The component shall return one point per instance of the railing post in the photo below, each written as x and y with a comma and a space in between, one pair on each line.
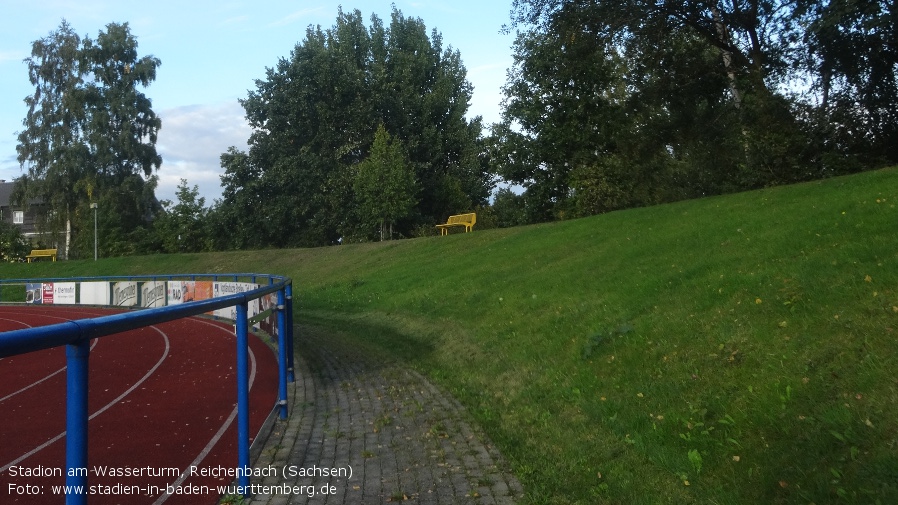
282, 354
242, 397
76, 417
289, 336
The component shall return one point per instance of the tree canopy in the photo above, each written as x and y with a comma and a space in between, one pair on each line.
384, 184
314, 120
612, 104
89, 133
182, 227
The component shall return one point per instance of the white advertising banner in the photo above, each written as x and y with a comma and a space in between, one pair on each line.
152, 294
233, 288
124, 294
64, 293
95, 293
188, 291
175, 292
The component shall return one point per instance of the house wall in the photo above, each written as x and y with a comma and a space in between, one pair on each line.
7, 212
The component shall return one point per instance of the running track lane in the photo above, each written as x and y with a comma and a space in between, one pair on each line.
161, 399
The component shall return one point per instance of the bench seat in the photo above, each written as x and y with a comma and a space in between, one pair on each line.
466, 220
41, 253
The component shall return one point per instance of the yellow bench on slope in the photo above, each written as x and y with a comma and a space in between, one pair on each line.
466, 220
41, 253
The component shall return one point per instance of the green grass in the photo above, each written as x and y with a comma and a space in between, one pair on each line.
736, 349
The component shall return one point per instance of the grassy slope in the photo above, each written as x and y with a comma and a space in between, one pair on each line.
735, 349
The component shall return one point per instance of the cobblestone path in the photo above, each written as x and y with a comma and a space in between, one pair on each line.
401, 438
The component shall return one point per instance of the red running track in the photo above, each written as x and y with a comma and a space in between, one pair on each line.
161, 399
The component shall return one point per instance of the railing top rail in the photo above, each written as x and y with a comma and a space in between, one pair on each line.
44, 337
230, 276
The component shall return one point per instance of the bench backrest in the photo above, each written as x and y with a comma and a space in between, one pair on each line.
462, 219
43, 252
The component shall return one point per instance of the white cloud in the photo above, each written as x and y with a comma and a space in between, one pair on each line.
191, 142
16, 56
297, 16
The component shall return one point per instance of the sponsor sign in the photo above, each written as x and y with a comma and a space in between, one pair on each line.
64, 293
47, 293
175, 292
188, 291
152, 294
34, 292
233, 288
124, 294
202, 290
270, 323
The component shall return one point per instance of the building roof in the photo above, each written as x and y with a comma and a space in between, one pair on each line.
6, 189
6, 192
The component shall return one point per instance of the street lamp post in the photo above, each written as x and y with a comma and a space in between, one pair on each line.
94, 206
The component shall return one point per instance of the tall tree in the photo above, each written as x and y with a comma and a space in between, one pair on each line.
123, 127
241, 219
852, 59
88, 128
315, 116
182, 227
613, 104
753, 36
53, 143
385, 184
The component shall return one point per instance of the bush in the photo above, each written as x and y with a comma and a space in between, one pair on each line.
13, 246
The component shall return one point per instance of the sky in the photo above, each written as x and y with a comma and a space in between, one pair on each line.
212, 53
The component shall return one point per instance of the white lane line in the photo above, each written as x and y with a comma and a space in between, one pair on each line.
224, 427
103, 409
39, 314
92, 345
16, 321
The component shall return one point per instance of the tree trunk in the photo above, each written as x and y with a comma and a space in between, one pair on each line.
68, 231
724, 35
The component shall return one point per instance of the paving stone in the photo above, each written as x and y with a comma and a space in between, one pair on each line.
401, 437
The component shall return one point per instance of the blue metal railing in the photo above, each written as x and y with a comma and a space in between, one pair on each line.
76, 336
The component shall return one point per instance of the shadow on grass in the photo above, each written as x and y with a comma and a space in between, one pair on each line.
366, 343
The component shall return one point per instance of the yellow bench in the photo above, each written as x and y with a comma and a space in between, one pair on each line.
41, 253
466, 220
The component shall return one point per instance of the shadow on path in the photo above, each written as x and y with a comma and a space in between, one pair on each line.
388, 434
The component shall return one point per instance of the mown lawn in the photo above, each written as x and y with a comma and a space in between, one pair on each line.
735, 349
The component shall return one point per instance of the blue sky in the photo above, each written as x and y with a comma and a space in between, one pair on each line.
213, 51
